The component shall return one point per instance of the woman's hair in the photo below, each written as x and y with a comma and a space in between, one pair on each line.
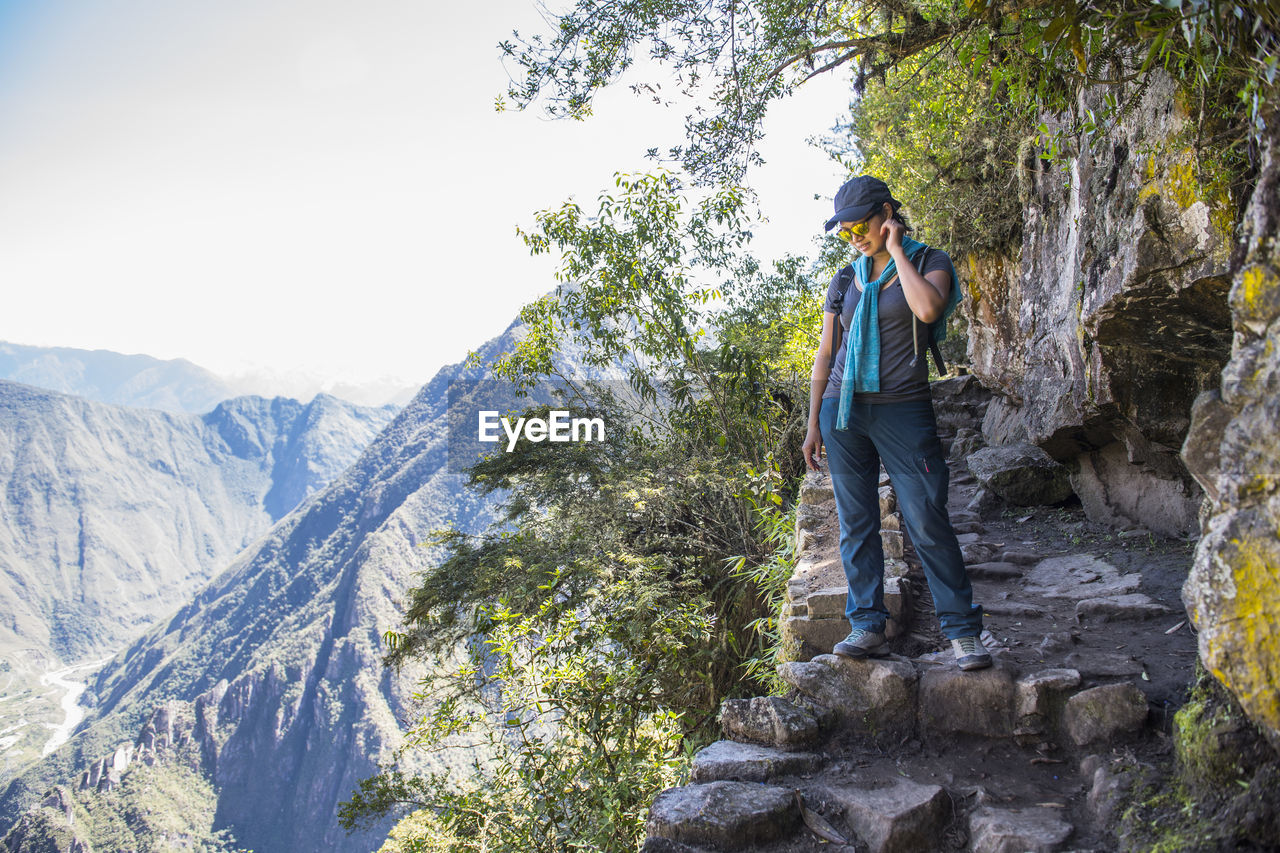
900, 215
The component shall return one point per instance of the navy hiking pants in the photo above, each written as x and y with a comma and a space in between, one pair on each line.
905, 437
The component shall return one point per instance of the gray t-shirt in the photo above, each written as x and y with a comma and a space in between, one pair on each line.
900, 380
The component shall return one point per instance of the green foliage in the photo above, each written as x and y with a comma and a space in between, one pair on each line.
582, 742
606, 630
1217, 747
947, 141
641, 278
420, 832
777, 315
961, 130
43, 830
770, 577
1164, 819
1032, 59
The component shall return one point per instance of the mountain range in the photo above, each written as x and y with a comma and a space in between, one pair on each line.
266, 691
139, 381
175, 385
110, 518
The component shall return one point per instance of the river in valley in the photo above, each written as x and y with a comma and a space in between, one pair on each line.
70, 701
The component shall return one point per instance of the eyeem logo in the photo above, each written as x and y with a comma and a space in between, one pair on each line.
492, 416
559, 427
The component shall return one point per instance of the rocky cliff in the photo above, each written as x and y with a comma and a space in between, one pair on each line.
114, 516
1112, 315
279, 659
1234, 448
1140, 318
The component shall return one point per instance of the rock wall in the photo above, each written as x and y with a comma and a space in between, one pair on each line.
1233, 592
1131, 323
1113, 316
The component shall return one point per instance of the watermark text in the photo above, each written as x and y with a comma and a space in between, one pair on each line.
558, 426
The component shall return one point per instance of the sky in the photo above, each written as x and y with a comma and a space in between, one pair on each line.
306, 187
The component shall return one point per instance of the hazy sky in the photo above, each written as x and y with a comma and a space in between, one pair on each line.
306, 185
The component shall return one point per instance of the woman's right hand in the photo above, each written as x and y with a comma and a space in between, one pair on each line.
812, 448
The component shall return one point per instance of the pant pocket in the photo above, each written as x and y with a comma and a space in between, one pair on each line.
932, 469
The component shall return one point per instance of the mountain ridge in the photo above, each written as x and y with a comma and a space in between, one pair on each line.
176, 385
135, 380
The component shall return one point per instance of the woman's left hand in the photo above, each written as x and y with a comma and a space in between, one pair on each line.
892, 231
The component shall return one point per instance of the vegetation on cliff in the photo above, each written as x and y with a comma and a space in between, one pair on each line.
607, 617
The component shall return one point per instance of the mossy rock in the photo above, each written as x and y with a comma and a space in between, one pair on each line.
1220, 792
1216, 744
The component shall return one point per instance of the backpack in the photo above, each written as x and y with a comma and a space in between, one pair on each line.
844, 280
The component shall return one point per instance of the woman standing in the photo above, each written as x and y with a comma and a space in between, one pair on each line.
871, 404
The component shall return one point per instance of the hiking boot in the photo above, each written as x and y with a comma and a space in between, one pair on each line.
970, 653
862, 643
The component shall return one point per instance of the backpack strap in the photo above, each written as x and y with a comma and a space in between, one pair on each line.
937, 354
933, 344
844, 278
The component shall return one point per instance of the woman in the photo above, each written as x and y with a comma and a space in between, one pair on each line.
872, 404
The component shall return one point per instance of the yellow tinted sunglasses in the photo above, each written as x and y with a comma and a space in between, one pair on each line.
857, 229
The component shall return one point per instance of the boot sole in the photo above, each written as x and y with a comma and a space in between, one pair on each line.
859, 652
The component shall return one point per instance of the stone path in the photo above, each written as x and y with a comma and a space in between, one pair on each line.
1092, 654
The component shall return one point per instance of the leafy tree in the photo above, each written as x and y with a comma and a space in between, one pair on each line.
613, 609
1031, 58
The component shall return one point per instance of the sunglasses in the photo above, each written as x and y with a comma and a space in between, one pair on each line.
857, 229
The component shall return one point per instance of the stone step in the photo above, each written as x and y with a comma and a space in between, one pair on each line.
997, 570
817, 621
769, 720
1134, 605
876, 806
892, 815
1035, 830
1104, 664
873, 810
1009, 607
1104, 714
1020, 556
809, 637
893, 697
729, 760
721, 815
974, 703
875, 695
977, 552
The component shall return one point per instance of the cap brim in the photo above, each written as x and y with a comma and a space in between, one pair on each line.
852, 214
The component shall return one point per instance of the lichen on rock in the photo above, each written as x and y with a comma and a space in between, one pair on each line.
1232, 592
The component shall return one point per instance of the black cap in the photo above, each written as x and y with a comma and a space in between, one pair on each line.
859, 198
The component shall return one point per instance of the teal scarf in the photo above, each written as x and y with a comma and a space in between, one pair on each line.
862, 349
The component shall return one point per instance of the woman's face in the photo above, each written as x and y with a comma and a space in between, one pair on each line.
870, 242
